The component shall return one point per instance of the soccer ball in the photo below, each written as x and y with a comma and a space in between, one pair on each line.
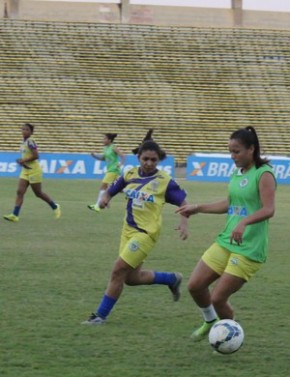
226, 336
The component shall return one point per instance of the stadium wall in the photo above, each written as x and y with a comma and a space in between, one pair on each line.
141, 14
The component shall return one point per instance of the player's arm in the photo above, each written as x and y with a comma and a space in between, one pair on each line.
183, 225
34, 156
219, 207
121, 155
113, 190
176, 196
99, 157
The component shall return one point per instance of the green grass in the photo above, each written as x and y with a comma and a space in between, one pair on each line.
53, 274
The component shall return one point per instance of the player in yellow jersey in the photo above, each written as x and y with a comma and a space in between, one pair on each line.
114, 158
31, 175
146, 189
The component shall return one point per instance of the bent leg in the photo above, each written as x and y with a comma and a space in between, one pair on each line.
138, 276
225, 287
119, 274
113, 292
37, 189
198, 285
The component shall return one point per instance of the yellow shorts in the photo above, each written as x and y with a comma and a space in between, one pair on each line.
110, 178
221, 260
31, 175
134, 246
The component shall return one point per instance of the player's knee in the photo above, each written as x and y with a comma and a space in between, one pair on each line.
38, 194
119, 272
218, 300
20, 193
194, 285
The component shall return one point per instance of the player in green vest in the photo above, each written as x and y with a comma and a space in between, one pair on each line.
242, 247
114, 160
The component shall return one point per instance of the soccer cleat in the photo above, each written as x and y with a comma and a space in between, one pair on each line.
11, 218
94, 207
202, 331
57, 211
94, 319
175, 288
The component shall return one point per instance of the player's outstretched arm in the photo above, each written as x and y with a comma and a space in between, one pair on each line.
105, 199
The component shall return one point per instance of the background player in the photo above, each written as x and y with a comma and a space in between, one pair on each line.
31, 174
112, 155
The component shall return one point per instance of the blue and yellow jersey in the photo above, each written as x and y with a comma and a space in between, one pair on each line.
146, 196
26, 149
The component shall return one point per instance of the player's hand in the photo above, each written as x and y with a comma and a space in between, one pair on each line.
237, 234
104, 201
20, 161
187, 210
183, 231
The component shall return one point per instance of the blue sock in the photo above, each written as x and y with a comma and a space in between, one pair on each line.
106, 306
166, 278
16, 210
53, 205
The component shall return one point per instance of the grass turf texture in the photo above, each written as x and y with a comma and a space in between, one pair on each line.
54, 272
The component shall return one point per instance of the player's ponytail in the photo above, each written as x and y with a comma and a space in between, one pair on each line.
150, 145
249, 137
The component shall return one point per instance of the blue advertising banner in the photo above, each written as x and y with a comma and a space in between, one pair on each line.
215, 168
72, 165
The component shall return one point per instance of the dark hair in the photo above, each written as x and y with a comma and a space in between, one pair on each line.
147, 137
248, 137
30, 126
150, 145
111, 136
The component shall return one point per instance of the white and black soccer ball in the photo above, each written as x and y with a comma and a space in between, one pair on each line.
226, 336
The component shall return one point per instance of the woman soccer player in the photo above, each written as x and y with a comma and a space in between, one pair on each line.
241, 248
111, 155
31, 174
146, 189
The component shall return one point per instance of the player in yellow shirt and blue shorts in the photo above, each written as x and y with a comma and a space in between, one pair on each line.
31, 175
241, 248
146, 189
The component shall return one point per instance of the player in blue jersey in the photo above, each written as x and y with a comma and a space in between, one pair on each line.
31, 175
147, 189
241, 248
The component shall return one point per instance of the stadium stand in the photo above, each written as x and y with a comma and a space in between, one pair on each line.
194, 86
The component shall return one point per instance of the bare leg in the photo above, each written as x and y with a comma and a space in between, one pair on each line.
37, 189
118, 277
225, 287
21, 190
140, 277
200, 280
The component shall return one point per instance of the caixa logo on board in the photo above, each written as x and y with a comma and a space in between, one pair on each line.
84, 166
72, 166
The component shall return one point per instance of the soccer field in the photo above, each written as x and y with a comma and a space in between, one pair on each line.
54, 272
